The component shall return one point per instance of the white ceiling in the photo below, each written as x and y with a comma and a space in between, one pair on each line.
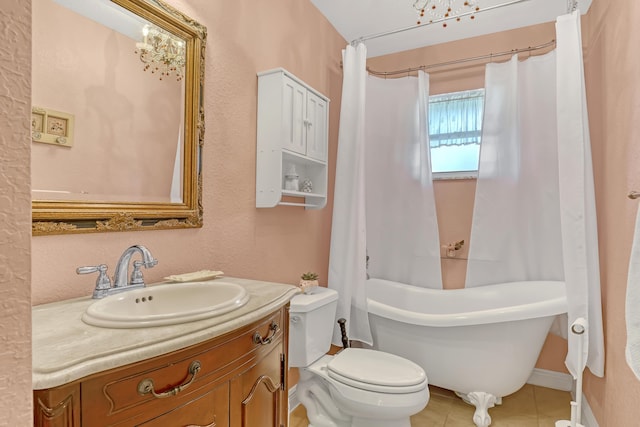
360, 18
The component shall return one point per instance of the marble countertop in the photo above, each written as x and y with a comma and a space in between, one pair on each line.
66, 349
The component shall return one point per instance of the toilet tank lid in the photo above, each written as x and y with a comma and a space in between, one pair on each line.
302, 303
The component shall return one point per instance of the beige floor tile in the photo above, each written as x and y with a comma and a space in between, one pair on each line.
461, 414
435, 414
544, 421
531, 406
521, 402
442, 392
426, 419
298, 417
553, 403
515, 421
455, 421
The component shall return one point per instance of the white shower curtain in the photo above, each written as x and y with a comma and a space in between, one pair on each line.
534, 214
515, 233
347, 257
402, 229
577, 195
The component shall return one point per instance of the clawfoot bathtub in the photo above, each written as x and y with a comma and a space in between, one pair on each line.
480, 342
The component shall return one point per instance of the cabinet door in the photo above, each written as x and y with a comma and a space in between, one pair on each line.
316, 127
293, 117
257, 394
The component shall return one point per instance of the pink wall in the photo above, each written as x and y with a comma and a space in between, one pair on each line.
271, 244
15, 214
126, 120
612, 69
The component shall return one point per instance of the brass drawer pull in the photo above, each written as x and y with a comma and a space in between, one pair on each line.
146, 386
213, 424
257, 338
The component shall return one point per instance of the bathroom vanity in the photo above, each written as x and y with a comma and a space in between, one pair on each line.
229, 370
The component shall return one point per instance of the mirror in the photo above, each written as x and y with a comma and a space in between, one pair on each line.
117, 116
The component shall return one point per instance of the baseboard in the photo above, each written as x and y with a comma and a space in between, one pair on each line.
293, 398
551, 379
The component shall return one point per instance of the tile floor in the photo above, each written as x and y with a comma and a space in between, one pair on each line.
531, 406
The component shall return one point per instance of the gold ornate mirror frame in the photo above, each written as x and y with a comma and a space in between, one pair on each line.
69, 217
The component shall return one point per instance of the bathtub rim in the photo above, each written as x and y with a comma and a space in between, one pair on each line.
548, 307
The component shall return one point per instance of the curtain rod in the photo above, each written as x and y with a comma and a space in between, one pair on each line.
459, 61
462, 15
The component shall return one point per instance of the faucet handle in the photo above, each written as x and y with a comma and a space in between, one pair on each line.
136, 274
103, 283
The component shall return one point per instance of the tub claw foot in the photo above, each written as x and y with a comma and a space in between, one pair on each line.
482, 401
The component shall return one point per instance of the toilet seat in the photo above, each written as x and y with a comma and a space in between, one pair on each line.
376, 371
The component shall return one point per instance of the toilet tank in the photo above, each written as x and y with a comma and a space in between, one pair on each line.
311, 322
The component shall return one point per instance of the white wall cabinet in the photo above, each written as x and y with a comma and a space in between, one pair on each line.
292, 133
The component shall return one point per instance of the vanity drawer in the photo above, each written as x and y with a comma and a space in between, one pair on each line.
113, 397
207, 410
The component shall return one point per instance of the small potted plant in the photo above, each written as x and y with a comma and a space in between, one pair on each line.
308, 282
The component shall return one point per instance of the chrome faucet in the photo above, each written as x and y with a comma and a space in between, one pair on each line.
122, 268
120, 280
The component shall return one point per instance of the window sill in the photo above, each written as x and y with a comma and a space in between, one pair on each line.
445, 176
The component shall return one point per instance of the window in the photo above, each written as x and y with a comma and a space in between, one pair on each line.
455, 132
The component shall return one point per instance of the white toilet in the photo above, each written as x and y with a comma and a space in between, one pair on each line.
356, 387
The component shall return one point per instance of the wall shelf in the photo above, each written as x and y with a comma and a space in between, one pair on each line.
292, 133
301, 194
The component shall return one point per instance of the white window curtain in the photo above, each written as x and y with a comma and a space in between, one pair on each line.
456, 118
347, 257
402, 228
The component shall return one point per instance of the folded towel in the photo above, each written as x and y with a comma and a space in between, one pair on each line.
194, 276
633, 303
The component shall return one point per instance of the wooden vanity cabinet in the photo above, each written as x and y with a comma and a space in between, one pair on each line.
242, 381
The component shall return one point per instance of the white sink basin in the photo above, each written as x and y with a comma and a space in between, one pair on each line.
167, 304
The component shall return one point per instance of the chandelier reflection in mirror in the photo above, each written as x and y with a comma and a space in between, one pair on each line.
161, 52
443, 10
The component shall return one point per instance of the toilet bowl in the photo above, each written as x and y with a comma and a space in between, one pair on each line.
356, 387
